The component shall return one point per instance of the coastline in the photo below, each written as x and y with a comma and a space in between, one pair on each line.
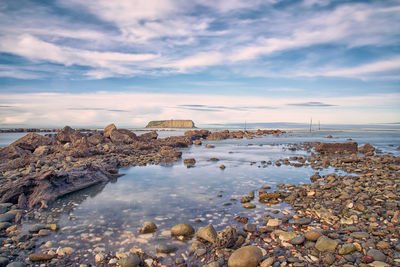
258, 234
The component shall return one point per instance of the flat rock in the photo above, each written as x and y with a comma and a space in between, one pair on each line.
359, 235
377, 255
297, 240
312, 235
207, 233
161, 248
39, 257
267, 262
249, 256
326, 244
287, 236
250, 227
302, 221
274, 222
248, 205
36, 228
16, 264
130, 261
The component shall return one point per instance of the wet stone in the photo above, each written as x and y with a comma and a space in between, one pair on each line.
376, 255
302, 221
161, 248
36, 228
130, 261
312, 235
39, 257
347, 249
359, 235
249, 256
326, 244
249, 227
297, 240
207, 233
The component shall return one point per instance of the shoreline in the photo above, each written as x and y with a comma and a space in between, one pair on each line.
258, 234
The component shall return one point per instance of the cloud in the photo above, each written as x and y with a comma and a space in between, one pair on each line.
311, 104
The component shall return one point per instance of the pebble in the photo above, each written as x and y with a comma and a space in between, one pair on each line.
297, 240
376, 255
326, 244
312, 235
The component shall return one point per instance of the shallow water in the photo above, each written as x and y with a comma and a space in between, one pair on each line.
108, 217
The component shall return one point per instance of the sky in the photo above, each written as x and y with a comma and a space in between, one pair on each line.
94, 62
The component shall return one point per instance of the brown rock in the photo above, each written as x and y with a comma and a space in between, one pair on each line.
366, 149
95, 139
207, 233
249, 256
326, 148
109, 128
39, 257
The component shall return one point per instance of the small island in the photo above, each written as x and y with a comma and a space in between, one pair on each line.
171, 124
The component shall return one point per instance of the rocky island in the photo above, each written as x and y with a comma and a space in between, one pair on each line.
171, 124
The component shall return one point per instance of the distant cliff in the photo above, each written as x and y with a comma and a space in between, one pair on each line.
171, 124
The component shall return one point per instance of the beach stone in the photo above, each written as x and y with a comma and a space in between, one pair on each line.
148, 227
379, 264
7, 217
39, 257
248, 205
16, 264
161, 248
36, 228
249, 256
207, 233
250, 227
326, 244
383, 245
189, 161
109, 128
302, 221
312, 235
213, 264
267, 262
44, 232
130, 261
376, 255
287, 236
99, 257
3, 261
222, 167
359, 235
328, 258
200, 252
297, 240
52, 226
182, 229
347, 249
274, 222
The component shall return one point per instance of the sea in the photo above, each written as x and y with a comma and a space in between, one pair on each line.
108, 217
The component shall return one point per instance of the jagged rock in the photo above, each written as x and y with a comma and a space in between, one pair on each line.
109, 128
32, 141
122, 136
148, 136
207, 233
96, 139
171, 124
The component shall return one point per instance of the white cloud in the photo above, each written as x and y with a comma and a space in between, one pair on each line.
135, 109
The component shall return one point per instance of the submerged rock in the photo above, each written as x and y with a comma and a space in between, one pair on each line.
182, 229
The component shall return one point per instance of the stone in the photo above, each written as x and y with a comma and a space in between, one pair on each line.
348, 147
383, 245
148, 227
367, 148
347, 249
298, 240
39, 257
3, 261
312, 235
274, 222
207, 233
52, 226
249, 256
326, 244
41, 151
189, 161
36, 228
222, 167
7, 217
109, 128
267, 262
4, 225
182, 229
328, 258
302, 221
161, 248
130, 261
287, 236
250, 227
200, 252
359, 235
248, 205
32, 141
379, 264
377, 255
99, 257
96, 139
16, 264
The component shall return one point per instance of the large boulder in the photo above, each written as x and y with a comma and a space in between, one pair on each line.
32, 141
64, 135
326, 148
109, 129
121, 137
249, 256
218, 135
148, 136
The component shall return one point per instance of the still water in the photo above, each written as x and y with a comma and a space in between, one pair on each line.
107, 217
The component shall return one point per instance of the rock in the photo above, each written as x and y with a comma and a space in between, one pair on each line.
16, 264
52, 226
44, 232
210, 146
96, 139
249, 227
161, 248
367, 148
7, 217
182, 229
109, 128
39, 257
200, 252
347, 249
326, 244
67, 134
207, 233
248, 205
297, 240
213, 264
267, 262
189, 161
99, 257
4, 225
249, 256
197, 143
32, 141
328, 258
130, 261
359, 235
36, 228
287, 236
121, 137
302, 221
315, 177
379, 264
222, 167
148, 227
383, 245
227, 238
312, 235
274, 222
376, 255
3, 261
348, 147
41, 151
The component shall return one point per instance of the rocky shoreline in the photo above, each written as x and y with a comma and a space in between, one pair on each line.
339, 220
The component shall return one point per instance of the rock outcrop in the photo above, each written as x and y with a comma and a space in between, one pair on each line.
171, 124
326, 148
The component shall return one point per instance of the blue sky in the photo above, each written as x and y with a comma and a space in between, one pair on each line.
88, 63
